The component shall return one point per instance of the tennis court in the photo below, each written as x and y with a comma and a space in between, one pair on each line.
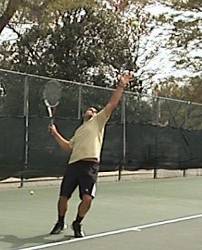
138, 214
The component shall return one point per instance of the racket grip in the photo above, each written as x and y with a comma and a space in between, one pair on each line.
51, 121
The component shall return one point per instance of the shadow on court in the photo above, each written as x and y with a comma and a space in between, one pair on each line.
17, 243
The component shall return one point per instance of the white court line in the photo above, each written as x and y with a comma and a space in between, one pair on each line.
137, 228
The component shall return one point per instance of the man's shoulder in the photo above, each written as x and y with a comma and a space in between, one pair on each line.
102, 116
101, 111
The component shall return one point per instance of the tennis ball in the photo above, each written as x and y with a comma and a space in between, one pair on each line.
134, 23
31, 192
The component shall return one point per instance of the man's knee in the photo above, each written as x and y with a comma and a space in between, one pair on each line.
87, 199
63, 199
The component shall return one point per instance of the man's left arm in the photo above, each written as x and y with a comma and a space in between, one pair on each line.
125, 78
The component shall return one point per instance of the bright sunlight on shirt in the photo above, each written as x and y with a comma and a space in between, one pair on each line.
88, 138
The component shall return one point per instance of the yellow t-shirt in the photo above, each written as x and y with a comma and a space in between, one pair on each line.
87, 139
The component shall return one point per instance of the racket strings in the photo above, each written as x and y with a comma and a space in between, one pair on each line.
52, 94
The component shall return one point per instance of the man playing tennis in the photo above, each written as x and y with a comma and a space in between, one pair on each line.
83, 166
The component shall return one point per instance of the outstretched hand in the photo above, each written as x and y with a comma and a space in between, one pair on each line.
125, 78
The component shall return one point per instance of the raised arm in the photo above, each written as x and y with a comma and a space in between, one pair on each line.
124, 79
64, 144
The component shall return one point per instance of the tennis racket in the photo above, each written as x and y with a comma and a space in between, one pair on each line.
51, 97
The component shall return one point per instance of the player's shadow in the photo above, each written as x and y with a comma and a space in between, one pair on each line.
17, 242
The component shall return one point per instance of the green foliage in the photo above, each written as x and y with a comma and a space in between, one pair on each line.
42, 12
86, 45
138, 109
190, 90
82, 43
12, 102
185, 5
185, 34
77, 40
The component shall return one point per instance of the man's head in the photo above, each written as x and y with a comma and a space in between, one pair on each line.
89, 113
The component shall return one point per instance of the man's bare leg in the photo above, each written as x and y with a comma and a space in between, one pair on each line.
62, 209
62, 206
83, 208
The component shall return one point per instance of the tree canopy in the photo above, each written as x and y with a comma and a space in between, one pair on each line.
40, 11
86, 44
185, 48
75, 40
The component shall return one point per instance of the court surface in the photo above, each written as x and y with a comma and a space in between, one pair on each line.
139, 214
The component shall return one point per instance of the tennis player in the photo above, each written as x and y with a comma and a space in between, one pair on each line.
83, 166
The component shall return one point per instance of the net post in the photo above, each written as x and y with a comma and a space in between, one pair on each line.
26, 129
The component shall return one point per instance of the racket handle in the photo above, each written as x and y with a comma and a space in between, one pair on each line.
51, 121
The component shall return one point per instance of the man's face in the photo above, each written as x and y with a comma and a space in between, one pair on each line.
90, 112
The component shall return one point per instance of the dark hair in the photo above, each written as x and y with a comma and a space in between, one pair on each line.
84, 110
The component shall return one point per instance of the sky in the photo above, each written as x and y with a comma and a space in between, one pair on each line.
6, 35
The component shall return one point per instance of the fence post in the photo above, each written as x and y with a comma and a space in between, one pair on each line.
123, 122
158, 113
79, 102
2, 96
26, 129
186, 125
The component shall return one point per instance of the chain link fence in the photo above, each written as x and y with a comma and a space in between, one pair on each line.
144, 132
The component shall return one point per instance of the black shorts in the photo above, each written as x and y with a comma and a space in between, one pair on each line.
82, 174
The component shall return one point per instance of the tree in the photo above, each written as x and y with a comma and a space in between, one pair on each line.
94, 43
195, 5
171, 88
79, 43
140, 26
185, 113
9, 9
184, 43
87, 45
18, 12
